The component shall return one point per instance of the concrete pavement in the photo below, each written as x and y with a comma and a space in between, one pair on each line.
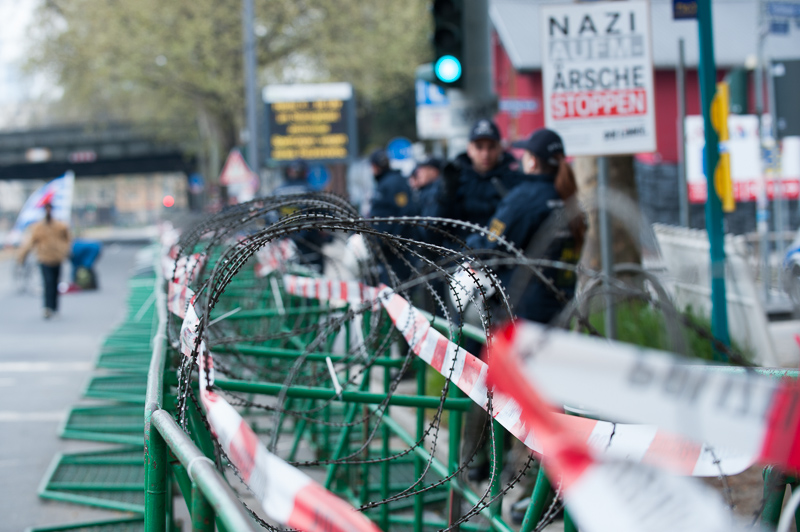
44, 367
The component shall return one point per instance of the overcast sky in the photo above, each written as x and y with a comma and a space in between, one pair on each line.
16, 16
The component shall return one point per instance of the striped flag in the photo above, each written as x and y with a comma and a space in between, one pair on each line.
58, 193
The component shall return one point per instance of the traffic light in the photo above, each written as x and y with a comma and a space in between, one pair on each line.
448, 41
723, 182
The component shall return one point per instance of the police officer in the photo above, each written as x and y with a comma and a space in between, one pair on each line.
294, 179
532, 216
534, 219
475, 182
426, 186
391, 197
309, 242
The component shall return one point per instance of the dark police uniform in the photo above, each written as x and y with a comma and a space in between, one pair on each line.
475, 197
534, 204
392, 197
478, 196
309, 242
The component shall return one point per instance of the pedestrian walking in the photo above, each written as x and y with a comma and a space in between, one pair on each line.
50, 240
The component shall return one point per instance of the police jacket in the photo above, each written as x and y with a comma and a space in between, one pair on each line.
532, 218
478, 196
426, 199
392, 197
426, 203
308, 241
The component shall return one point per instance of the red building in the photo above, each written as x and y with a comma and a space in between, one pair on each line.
514, 86
517, 63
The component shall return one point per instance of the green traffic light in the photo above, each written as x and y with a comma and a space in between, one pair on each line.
448, 69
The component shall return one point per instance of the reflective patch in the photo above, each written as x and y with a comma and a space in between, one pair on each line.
401, 199
496, 229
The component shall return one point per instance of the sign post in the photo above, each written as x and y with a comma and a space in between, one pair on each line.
708, 87
597, 71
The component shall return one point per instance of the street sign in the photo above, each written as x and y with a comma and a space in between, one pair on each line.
597, 72
515, 106
433, 111
318, 177
429, 93
235, 170
779, 27
196, 183
684, 9
241, 181
314, 122
783, 9
399, 149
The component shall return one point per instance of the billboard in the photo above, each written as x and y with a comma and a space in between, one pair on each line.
314, 122
597, 72
746, 157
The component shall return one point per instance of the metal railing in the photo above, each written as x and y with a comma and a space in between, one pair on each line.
206, 491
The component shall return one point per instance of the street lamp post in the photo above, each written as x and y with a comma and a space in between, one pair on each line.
251, 102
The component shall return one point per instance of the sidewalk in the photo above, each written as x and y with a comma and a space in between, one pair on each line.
44, 367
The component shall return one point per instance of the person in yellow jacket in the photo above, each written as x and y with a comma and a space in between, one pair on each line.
50, 239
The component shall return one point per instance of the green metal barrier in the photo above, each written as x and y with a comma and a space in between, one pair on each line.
205, 490
250, 309
127, 524
111, 479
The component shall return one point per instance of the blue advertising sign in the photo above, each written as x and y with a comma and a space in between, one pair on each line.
318, 177
399, 149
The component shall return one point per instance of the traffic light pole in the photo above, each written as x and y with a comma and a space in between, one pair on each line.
716, 236
475, 99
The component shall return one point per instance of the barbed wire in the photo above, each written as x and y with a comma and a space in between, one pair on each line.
230, 240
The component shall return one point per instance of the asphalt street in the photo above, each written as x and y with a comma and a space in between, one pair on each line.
44, 367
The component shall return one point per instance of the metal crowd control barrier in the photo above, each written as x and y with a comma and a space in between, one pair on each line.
207, 493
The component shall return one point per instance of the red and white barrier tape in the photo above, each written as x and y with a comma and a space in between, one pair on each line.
326, 289
640, 443
754, 415
185, 268
287, 495
613, 496
178, 297
274, 256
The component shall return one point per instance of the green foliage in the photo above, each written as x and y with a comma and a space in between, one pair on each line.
640, 324
179, 63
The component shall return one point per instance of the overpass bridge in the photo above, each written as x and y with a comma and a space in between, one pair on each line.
87, 150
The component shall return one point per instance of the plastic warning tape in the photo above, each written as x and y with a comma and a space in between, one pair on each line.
274, 256
287, 495
185, 267
640, 443
178, 297
327, 289
604, 495
754, 415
